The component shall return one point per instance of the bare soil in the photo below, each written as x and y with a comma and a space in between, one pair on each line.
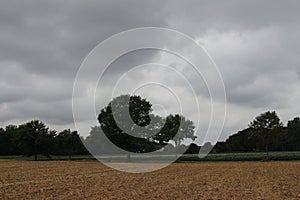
92, 180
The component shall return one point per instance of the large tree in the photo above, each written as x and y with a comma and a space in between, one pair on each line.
129, 113
126, 114
34, 138
265, 128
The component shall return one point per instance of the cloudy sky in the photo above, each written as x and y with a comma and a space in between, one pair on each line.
255, 45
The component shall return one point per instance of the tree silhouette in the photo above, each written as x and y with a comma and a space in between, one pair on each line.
4, 142
266, 127
114, 119
69, 143
176, 128
7, 145
34, 138
129, 113
265, 133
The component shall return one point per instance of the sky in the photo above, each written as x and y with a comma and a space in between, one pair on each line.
254, 44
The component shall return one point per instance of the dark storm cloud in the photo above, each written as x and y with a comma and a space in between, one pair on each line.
60, 35
42, 44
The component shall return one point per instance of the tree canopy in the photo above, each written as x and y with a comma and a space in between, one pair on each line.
266, 127
132, 114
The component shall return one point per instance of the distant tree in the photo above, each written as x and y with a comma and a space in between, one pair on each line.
266, 127
193, 149
95, 141
242, 141
207, 147
69, 143
220, 147
34, 138
282, 141
293, 131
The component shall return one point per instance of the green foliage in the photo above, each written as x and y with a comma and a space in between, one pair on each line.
249, 156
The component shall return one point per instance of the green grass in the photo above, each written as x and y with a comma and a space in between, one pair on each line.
255, 156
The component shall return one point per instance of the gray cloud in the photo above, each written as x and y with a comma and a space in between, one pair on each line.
42, 44
298, 73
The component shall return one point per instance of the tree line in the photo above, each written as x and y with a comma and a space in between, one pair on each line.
35, 138
265, 133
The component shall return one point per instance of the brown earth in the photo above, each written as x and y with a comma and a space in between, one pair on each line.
92, 180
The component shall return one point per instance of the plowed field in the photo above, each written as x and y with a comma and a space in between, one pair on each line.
92, 180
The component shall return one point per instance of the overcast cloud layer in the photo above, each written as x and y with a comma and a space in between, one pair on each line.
255, 44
